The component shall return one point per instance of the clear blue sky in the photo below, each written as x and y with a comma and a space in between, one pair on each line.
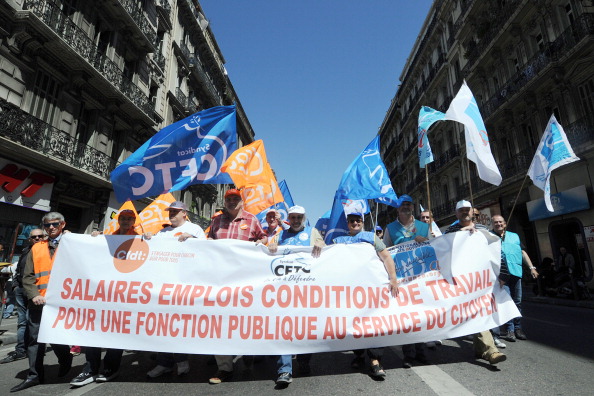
315, 78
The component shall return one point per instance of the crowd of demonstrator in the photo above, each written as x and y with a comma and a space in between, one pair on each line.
35, 264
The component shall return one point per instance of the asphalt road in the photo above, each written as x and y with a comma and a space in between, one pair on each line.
558, 359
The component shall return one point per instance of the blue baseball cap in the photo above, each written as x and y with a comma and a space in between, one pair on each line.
378, 228
404, 198
359, 214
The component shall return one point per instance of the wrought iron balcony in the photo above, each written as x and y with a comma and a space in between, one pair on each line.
50, 14
580, 134
159, 59
181, 98
445, 159
581, 28
164, 7
22, 128
137, 14
198, 69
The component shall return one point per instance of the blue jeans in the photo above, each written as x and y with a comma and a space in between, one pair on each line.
285, 364
21, 306
514, 287
9, 308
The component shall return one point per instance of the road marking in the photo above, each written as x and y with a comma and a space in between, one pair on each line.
440, 382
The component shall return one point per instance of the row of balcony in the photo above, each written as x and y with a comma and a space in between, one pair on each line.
464, 7
198, 70
51, 15
135, 11
20, 127
554, 51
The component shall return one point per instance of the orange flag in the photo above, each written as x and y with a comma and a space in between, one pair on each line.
154, 216
112, 226
250, 171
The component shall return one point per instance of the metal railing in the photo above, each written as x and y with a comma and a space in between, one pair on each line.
135, 11
50, 14
21, 127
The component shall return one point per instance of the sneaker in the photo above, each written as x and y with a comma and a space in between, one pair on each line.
13, 356
183, 367
107, 375
509, 336
358, 363
159, 371
520, 335
82, 379
75, 350
284, 378
221, 376
496, 357
498, 343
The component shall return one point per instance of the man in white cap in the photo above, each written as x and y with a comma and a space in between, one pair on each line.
356, 235
298, 234
182, 229
484, 345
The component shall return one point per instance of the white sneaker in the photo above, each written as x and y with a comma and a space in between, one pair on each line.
159, 371
183, 367
498, 343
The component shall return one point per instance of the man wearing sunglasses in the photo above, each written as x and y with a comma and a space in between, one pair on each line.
35, 279
20, 349
357, 234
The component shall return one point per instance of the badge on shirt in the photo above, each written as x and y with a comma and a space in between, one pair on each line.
303, 236
243, 226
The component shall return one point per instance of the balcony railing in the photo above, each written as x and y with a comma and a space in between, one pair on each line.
23, 128
197, 67
139, 18
159, 59
78, 40
182, 98
445, 158
165, 7
581, 28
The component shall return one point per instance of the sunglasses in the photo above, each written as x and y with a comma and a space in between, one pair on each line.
55, 224
378, 232
355, 220
36, 236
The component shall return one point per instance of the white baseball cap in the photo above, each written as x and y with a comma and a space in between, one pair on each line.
463, 204
297, 210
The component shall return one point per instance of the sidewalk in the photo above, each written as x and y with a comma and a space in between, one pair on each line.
9, 336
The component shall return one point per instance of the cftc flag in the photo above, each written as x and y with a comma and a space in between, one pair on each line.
427, 117
553, 152
250, 172
187, 152
464, 109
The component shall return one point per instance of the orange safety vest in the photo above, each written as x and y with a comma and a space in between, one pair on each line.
42, 265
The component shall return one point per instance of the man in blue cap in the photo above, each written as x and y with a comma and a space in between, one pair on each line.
405, 228
379, 232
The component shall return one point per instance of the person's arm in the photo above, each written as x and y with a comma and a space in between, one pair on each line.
317, 242
390, 267
526, 260
387, 238
30, 282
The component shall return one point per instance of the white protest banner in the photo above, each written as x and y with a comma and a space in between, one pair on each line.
233, 297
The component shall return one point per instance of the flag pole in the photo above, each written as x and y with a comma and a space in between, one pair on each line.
516, 200
428, 192
469, 181
376, 211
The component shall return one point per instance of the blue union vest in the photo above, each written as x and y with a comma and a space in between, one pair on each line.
301, 238
363, 236
399, 234
512, 249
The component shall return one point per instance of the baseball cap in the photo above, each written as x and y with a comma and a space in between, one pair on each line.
232, 191
405, 198
358, 214
127, 212
463, 204
378, 228
178, 205
297, 210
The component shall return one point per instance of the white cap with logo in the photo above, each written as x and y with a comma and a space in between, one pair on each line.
463, 204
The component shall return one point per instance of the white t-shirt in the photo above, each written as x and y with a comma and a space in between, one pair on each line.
193, 229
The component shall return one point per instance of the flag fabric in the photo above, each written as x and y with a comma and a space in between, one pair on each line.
322, 223
187, 152
286, 193
427, 117
113, 225
464, 109
365, 178
154, 216
553, 152
355, 206
250, 171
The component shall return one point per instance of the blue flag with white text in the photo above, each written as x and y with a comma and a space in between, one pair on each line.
190, 151
365, 178
427, 117
553, 152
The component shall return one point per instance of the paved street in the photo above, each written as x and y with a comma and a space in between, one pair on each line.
558, 359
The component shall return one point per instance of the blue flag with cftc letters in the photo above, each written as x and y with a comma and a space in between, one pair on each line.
190, 151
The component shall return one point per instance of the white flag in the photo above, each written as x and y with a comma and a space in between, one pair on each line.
553, 151
464, 109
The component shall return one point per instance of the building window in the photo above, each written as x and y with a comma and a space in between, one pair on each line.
45, 97
529, 135
539, 42
569, 13
587, 97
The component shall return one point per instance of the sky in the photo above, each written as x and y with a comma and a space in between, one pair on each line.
315, 79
